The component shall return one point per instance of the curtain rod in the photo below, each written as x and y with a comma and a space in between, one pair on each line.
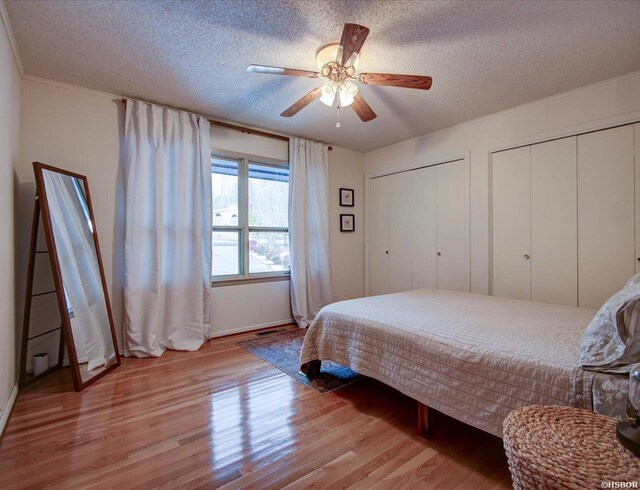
235, 127
242, 128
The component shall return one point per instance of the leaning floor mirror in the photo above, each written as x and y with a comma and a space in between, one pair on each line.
82, 321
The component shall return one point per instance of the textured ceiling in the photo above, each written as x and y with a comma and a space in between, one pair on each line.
484, 56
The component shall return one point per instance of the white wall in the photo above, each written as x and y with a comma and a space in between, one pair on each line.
9, 151
346, 169
608, 103
243, 307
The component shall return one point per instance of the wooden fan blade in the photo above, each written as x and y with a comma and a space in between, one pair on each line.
353, 37
362, 109
302, 103
393, 80
275, 70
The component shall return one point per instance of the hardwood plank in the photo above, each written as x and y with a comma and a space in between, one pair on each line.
411, 470
221, 417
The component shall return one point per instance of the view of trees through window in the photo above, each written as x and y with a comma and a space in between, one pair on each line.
254, 225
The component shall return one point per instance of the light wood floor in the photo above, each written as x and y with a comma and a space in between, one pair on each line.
221, 417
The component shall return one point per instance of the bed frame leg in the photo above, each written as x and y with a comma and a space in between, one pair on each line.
423, 421
313, 368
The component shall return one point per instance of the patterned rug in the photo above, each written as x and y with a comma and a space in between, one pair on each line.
282, 350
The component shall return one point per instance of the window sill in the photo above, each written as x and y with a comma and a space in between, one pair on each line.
248, 280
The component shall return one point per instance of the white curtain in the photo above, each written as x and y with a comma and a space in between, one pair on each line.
309, 229
168, 230
78, 259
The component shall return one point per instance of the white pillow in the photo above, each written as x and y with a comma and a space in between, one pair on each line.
612, 339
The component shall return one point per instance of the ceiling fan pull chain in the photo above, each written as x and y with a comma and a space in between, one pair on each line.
338, 119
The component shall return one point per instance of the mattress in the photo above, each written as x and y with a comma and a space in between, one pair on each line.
473, 357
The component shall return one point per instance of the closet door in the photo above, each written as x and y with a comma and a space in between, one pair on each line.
606, 203
400, 225
511, 234
423, 247
554, 222
637, 193
451, 216
379, 258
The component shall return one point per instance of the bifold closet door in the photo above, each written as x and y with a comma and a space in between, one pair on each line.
511, 225
606, 213
554, 222
451, 211
379, 258
400, 229
423, 248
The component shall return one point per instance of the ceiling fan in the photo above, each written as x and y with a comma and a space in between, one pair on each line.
338, 64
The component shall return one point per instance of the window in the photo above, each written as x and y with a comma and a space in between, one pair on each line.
250, 218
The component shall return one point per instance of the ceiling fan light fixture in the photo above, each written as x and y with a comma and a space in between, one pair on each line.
328, 93
347, 93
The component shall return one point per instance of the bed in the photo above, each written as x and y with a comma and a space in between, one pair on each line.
472, 357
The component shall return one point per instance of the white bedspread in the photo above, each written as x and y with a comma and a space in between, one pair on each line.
473, 357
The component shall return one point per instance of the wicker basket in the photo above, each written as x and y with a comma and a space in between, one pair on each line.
562, 447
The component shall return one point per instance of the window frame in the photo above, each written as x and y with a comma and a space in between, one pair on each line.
243, 228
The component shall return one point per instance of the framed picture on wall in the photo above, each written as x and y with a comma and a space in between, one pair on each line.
347, 222
346, 197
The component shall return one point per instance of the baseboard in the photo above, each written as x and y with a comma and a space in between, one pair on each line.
231, 331
6, 413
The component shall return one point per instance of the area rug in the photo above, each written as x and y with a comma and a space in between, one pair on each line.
282, 350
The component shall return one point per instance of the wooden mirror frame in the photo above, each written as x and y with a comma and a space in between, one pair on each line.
67, 332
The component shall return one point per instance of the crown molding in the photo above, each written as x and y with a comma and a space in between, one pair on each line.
12, 40
69, 86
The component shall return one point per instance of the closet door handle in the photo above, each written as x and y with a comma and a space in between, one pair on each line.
438, 254
526, 257
386, 252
